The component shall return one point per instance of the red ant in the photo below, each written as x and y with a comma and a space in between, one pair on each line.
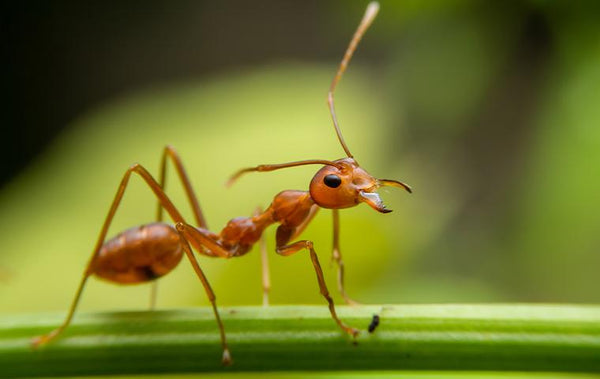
147, 252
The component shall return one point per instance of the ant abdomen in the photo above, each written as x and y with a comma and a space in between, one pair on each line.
139, 254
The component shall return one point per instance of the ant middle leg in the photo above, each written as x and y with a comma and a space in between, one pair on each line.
264, 262
337, 257
266, 277
299, 245
170, 152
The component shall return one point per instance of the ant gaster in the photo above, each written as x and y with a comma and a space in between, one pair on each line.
150, 251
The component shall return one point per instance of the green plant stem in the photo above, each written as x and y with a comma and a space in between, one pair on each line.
289, 338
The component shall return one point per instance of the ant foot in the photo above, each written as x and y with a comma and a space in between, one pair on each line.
44, 339
40, 340
227, 361
353, 332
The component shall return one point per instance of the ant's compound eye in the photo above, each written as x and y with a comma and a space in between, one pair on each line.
332, 181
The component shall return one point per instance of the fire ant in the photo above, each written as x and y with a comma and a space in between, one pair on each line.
145, 253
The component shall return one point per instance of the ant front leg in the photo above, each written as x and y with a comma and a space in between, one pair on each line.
337, 257
297, 246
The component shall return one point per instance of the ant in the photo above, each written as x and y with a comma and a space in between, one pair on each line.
148, 252
374, 323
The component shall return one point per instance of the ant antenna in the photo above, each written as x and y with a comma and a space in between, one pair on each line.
366, 21
273, 167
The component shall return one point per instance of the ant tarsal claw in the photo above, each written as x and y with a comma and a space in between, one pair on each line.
226, 360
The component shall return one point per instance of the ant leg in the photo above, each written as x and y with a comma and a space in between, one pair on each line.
266, 282
170, 152
202, 239
297, 246
153, 295
337, 257
266, 278
45, 338
209, 292
264, 260
166, 203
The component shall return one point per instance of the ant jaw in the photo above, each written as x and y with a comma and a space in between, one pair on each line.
393, 183
373, 200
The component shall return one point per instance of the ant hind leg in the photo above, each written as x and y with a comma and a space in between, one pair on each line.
165, 202
226, 359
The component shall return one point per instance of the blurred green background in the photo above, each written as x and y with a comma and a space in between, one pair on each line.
489, 110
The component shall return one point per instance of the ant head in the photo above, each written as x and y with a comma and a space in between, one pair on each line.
345, 184
342, 183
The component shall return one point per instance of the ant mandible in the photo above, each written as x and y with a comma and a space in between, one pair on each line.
145, 253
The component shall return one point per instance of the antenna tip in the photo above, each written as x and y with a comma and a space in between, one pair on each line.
372, 9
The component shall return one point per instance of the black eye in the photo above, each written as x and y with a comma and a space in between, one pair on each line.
332, 181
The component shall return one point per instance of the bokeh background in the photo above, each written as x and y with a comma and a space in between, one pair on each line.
490, 110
